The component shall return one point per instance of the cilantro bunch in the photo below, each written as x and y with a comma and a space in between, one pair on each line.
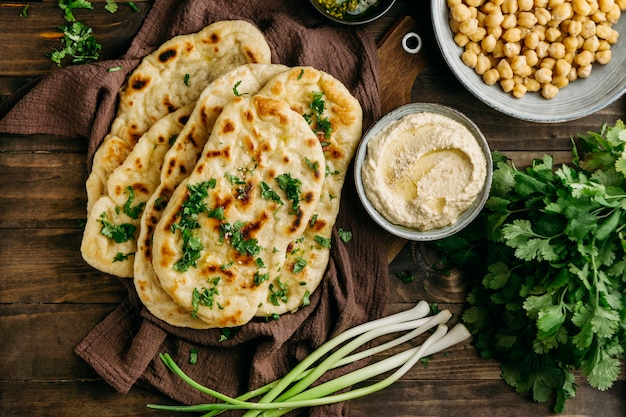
551, 294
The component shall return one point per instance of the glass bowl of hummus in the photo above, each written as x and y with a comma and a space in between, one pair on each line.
423, 171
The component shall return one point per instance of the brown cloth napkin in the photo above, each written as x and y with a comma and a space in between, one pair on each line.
124, 348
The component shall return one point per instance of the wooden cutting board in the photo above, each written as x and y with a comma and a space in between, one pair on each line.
398, 71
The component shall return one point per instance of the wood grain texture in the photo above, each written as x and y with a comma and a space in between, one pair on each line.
50, 298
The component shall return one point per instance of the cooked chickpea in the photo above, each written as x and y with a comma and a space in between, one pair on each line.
613, 15
498, 51
507, 85
496, 32
570, 43
599, 16
584, 58
588, 29
540, 30
581, 7
543, 75
510, 6
504, 68
511, 49
519, 90
552, 34
531, 84
591, 44
572, 75
606, 5
562, 12
560, 81
490, 7
543, 15
460, 12
512, 35
488, 44
469, 58
584, 72
531, 40
509, 21
526, 19
556, 50
491, 76
542, 49
603, 57
478, 35
548, 62
574, 27
562, 67
461, 39
549, 91
454, 26
531, 58
525, 5
607, 33
482, 64
468, 26
604, 45
518, 64
494, 19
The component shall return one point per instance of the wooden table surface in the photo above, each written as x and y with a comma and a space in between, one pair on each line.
50, 298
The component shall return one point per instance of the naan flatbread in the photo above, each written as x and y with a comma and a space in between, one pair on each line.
110, 237
250, 220
305, 88
178, 164
169, 78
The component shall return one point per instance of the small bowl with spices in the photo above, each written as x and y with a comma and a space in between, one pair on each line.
352, 12
423, 171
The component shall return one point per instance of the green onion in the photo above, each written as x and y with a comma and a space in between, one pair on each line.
294, 389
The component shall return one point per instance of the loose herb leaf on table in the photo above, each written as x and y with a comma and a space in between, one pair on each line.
550, 297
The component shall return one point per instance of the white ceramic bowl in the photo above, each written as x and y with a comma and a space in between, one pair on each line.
404, 232
606, 84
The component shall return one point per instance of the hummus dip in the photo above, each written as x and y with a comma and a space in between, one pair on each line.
423, 171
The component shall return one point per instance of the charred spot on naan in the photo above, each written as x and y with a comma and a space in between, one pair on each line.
293, 227
270, 107
167, 103
139, 82
174, 165
318, 225
228, 126
167, 55
211, 38
168, 256
213, 270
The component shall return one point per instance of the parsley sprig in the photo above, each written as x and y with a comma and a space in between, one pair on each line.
551, 297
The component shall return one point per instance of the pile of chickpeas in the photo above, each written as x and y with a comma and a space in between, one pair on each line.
534, 45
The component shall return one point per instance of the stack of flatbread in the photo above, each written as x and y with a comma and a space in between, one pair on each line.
218, 186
